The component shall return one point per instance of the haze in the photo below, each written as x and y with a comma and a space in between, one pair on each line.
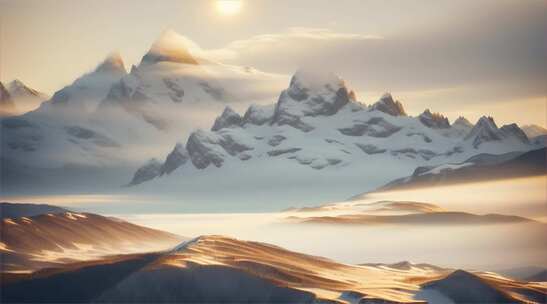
487, 57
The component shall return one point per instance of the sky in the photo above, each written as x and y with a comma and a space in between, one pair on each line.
455, 57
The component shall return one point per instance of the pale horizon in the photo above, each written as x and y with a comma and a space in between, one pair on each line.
453, 62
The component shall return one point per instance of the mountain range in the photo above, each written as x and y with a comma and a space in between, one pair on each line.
481, 167
154, 127
315, 133
109, 119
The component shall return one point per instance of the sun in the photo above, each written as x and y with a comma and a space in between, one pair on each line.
228, 7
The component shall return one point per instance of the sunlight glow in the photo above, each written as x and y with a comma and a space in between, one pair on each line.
228, 7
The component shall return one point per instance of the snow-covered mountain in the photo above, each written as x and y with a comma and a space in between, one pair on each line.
59, 131
534, 130
25, 98
101, 127
481, 167
109, 119
171, 88
537, 134
486, 130
318, 135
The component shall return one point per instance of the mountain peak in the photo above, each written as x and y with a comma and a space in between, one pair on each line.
310, 93
388, 105
228, 118
534, 130
112, 63
514, 130
314, 79
462, 121
16, 83
170, 47
487, 122
486, 130
434, 120
17, 88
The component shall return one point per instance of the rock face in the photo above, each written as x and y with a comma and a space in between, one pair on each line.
485, 130
207, 148
312, 95
387, 105
374, 127
434, 120
175, 159
513, 130
229, 118
150, 170
258, 115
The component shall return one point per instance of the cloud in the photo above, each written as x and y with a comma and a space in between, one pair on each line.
500, 46
257, 47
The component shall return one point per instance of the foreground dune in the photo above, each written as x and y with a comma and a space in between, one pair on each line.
31, 243
222, 269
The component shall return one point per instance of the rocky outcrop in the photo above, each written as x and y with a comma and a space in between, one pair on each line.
370, 149
434, 120
413, 153
276, 140
228, 118
175, 159
258, 115
80, 134
205, 148
283, 151
389, 106
310, 95
374, 127
463, 122
147, 172
486, 130
513, 130
176, 93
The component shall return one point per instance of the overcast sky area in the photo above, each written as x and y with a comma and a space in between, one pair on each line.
455, 57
